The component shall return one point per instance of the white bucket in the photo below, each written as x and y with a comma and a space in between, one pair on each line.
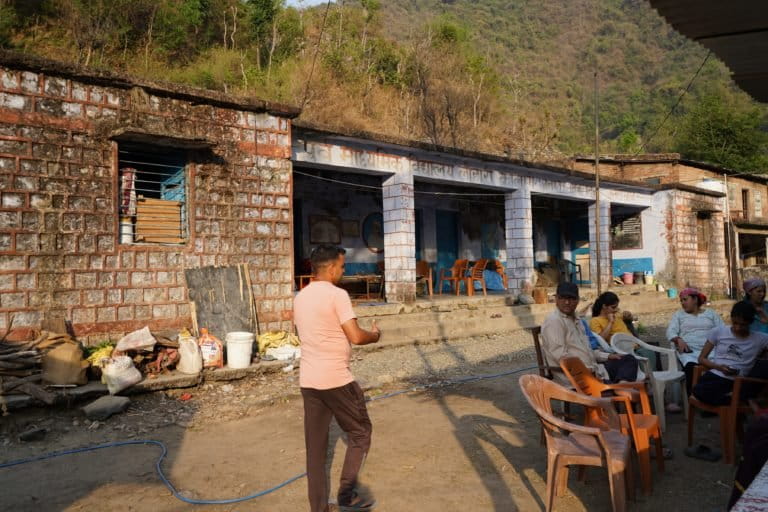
126, 230
239, 349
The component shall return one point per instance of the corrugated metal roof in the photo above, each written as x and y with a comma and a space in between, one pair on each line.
736, 31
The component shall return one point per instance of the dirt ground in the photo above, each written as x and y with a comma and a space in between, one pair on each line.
454, 447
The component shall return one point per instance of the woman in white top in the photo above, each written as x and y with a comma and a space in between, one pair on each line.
688, 329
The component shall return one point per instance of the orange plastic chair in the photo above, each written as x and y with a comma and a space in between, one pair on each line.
424, 274
569, 444
499, 268
642, 427
730, 426
476, 274
455, 275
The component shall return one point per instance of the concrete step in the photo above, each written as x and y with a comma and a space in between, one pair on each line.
451, 317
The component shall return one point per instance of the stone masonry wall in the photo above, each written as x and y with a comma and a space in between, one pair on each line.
705, 269
59, 247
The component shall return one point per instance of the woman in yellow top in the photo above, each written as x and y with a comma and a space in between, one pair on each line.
605, 319
606, 322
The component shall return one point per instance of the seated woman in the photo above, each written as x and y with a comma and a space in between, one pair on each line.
755, 294
688, 330
728, 352
605, 320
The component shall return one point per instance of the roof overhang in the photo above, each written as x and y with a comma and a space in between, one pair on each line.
736, 31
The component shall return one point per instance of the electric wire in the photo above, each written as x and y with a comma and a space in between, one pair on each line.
164, 450
679, 99
314, 57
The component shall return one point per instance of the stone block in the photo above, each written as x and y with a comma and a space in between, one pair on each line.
14, 102
12, 262
164, 311
143, 312
125, 313
142, 278
114, 296
106, 406
134, 296
141, 260
12, 300
154, 295
83, 315
106, 314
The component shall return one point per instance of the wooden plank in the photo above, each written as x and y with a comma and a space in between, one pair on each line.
158, 220
223, 299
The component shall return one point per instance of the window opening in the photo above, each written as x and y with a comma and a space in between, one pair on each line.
152, 199
703, 231
745, 204
626, 231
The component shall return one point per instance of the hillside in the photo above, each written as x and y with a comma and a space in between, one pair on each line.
506, 77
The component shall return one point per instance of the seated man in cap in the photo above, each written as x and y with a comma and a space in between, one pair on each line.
563, 335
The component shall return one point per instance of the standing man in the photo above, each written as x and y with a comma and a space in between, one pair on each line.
327, 326
563, 335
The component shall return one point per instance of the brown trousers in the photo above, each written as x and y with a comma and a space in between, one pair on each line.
347, 405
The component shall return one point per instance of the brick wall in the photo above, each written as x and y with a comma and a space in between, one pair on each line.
59, 247
705, 268
667, 172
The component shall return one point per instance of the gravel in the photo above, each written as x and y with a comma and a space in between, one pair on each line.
378, 371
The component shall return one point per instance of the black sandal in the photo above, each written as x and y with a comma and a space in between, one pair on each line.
358, 504
702, 452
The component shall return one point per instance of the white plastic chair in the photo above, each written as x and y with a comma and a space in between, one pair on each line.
626, 344
607, 348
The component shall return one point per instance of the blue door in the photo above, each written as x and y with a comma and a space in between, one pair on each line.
419, 234
447, 231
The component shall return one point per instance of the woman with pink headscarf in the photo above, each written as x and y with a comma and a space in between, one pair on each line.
755, 295
688, 329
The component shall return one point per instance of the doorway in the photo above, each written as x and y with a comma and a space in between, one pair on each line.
447, 231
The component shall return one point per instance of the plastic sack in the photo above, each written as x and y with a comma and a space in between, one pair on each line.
191, 361
283, 353
64, 365
212, 350
119, 373
137, 340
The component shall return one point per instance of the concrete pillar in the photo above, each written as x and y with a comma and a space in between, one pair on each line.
399, 237
606, 268
518, 219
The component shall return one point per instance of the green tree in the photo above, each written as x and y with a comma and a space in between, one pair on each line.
7, 22
716, 132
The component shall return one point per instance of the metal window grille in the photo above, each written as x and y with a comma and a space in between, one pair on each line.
152, 197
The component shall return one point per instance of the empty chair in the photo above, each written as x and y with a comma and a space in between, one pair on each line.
499, 268
476, 274
569, 444
424, 275
642, 427
626, 344
455, 276
569, 271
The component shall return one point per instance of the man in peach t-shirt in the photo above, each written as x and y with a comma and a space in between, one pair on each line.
327, 325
